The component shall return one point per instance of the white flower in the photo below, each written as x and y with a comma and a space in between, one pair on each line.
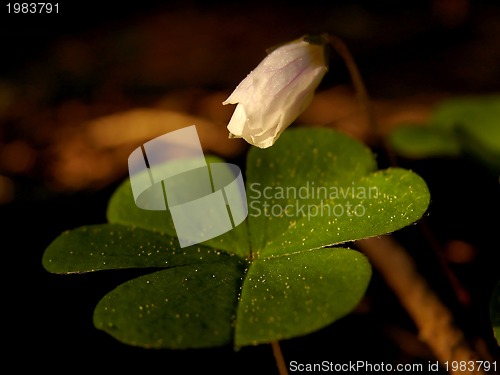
277, 91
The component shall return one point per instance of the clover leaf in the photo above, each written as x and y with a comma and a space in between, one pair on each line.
459, 126
278, 275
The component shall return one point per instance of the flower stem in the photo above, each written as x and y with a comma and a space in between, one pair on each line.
359, 86
340, 47
278, 356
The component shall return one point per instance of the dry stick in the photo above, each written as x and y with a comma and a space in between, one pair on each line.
433, 319
431, 316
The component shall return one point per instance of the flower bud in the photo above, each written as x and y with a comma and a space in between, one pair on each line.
277, 91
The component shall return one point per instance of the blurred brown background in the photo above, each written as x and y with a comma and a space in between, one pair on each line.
63, 74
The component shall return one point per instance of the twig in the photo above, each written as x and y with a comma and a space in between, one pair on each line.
432, 318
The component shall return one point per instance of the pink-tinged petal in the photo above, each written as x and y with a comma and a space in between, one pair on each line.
276, 92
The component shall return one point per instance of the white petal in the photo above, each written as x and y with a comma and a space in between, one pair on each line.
242, 91
237, 122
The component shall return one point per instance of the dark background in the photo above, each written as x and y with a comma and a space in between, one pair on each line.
402, 48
